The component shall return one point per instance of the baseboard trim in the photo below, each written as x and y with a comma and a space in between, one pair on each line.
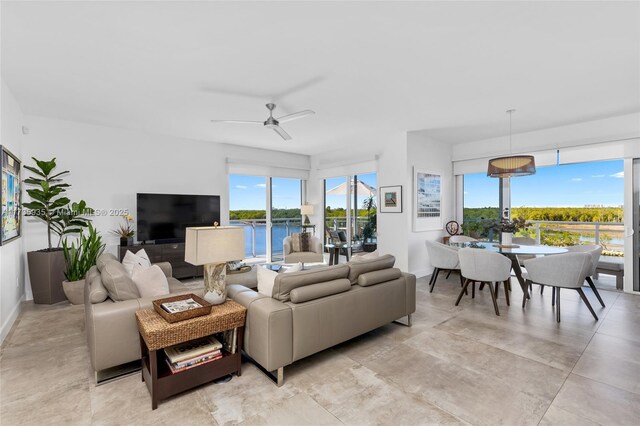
6, 327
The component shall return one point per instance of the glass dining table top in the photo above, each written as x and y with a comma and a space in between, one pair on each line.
521, 249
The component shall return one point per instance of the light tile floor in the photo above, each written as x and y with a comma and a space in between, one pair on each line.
456, 365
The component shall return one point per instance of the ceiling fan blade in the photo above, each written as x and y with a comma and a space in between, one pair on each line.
279, 130
237, 121
295, 115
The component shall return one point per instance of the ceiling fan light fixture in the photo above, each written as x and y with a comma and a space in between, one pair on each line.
511, 165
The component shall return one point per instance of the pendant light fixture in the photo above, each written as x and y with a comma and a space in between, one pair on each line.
511, 165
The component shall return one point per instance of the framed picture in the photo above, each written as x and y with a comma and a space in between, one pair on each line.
390, 199
427, 200
11, 196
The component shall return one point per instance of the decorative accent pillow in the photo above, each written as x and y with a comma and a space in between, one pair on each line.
118, 283
300, 242
295, 268
364, 257
130, 260
151, 282
266, 278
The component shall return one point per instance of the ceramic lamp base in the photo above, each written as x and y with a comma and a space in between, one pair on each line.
215, 286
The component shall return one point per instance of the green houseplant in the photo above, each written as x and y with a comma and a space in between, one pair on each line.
62, 217
369, 229
78, 260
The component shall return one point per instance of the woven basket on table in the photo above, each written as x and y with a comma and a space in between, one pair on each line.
158, 333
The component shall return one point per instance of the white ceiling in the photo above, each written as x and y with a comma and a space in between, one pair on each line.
367, 69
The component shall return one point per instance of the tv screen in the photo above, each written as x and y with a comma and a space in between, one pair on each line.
164, 217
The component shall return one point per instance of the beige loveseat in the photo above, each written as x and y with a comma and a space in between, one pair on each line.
313, 310
111, 329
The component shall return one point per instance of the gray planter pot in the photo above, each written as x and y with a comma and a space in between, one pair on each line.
74, 290
46, 273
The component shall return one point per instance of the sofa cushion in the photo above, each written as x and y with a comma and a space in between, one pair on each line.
266, 279
357, 268
317, 291
97, 291
362, 257
284, 283
380, 276
151, 281
103, 259
118, 283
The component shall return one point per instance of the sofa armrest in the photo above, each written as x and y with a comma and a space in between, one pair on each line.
166, 268
268, 337
112, 332
411, 292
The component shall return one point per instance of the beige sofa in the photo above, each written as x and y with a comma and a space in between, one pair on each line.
111, 329
316, 309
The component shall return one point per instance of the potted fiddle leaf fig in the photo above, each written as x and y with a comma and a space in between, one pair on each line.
62, 217
79, 259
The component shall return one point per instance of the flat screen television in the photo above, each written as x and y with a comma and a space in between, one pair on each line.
163, 217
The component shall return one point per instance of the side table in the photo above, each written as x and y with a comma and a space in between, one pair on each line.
157, 334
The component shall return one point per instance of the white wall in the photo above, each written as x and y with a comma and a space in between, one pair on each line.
11, 254
392, 227
108, 166
431, 155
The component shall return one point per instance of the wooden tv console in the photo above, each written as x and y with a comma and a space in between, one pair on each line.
170, 252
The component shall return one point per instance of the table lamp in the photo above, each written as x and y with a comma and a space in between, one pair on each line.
213, 247
306, 209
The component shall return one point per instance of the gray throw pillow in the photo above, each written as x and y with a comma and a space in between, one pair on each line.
118, 283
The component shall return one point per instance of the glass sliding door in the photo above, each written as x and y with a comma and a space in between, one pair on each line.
335, 202
286, 199
247, 208
364, 208
636, 224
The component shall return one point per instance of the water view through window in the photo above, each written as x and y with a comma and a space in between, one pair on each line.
565, 205
248, 208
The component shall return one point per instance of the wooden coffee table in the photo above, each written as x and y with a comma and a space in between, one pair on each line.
157, 334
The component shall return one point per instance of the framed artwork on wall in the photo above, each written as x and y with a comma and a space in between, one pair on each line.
10, 194
390, 199
427, 200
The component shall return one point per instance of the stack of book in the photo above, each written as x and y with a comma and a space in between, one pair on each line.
193, 353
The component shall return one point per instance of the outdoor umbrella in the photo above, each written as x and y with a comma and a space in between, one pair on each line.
362, 189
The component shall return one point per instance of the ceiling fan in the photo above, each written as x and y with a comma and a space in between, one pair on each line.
271, 122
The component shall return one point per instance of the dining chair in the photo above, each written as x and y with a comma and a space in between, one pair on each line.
485, 267
442, 258
594, 250
567, 270
461, 239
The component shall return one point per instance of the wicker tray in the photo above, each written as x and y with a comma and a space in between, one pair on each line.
507, 246
185, 315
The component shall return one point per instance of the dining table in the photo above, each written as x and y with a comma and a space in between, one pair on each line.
512, 252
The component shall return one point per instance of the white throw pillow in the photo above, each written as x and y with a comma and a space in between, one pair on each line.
151, 282
266, 279
130, 260
363, 257
295, 268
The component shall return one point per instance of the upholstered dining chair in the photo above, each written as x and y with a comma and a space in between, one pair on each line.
442, 258
566, 270
461, 239
594, 250
485, 267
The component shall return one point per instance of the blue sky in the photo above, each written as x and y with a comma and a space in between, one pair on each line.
568, 185
249, 193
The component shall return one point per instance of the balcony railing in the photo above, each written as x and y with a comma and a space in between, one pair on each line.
610, 235
255, 234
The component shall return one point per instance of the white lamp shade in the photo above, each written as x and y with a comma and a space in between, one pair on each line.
208, 244
306, 209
